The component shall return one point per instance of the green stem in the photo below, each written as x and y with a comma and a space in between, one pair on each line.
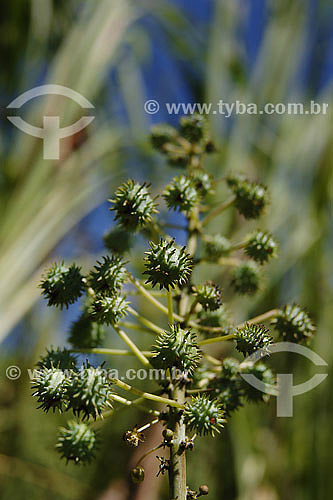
259, 319
111, 352
128, 403
191, 311
146, 395
216, 339
134, 326
146, 426
137, 404
134, 348
218, 210
145, 321
238, 246
170, 307
177, 470
229, 261
152, 299
148, 453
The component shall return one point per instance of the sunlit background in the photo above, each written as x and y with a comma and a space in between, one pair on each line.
118, 54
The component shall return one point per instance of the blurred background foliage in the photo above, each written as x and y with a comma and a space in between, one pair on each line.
118, 54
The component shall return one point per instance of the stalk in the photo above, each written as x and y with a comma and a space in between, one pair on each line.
177, 468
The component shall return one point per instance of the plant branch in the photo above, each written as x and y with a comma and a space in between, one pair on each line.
217, 211
110, 352
170, 306
258, 319
216, 339
152, 299
146, 395
145, 321
133, 347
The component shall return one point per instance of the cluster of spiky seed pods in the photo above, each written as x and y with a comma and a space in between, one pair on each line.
199, 391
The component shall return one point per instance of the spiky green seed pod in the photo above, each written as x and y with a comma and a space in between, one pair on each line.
88, 392
49, 387
85, 333
215, 247
204, 416
118, 240
192, 127
230, 368
62, 359
162, 134
234, 180
209, 296
251, 338
294, 324
246, 278
62, 285
202, 182
217, 318
179, 159
229, 393
108, 310
261, 246
181, 194
77, 443
176, 348
262, 373
251, 198
108, 276
167, 265
227, 386
133, 205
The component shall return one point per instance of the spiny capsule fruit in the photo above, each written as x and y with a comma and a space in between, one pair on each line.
262, 373
261, 246
218, 318
107, 276
227, 386
251, 338
133, 205
202, 182
245, 278
204, 416
77, 442
181, 194
294, 324
49, 387
216, 246
62, 285
178, 159
176, 348
118, 241
192, 127
251, 198
209, 296
108, 310
85, 333
162, 134
62, 359
88, 392
167, 265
